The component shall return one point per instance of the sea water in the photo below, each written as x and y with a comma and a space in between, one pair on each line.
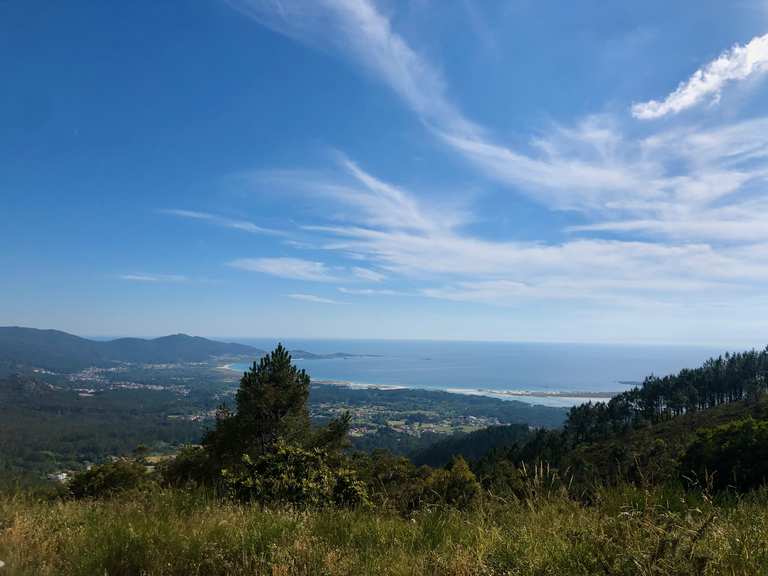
534, 372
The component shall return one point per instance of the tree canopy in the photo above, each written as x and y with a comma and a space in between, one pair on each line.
271, 405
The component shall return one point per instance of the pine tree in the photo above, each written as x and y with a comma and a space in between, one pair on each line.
272, 401
271, 405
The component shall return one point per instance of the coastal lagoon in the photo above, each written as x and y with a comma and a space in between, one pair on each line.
539, 373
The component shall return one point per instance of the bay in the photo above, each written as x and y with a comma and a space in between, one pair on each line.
539, 373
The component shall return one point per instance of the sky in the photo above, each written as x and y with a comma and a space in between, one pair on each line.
443, 169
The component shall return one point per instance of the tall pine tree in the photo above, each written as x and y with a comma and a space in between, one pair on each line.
271, 406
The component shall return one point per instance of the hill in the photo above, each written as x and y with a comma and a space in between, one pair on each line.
47, 428
473, 445
654, 453
651, 454
60, 351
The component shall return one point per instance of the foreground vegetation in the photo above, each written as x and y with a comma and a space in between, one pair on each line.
176, 532
270, 492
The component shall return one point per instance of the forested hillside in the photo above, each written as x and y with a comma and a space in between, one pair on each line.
474, 445
56, 350
647, 435
43, 429
729, 378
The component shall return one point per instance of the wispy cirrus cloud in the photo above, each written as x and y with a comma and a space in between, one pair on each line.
738, 63
244, 225
682, 207
362, 197
306, 270
371, 292
592, 166
368, 275
312, 298
364, 35
154, 278
290, 268
457, 266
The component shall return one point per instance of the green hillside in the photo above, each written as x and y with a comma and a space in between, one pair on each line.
472, 446
56, 350
654, 453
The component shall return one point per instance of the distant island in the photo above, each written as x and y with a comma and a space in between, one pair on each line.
304, 355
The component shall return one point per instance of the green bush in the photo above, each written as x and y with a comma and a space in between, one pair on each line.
348, 490
192, 466
395, 483
296, 476
733, 455
455, 486
105, 480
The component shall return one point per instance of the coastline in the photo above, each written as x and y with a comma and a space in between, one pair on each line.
574, 397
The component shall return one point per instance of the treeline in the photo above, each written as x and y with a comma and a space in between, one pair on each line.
653, 433
729, 378
594, 443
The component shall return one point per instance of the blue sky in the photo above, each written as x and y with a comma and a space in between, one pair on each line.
520, 170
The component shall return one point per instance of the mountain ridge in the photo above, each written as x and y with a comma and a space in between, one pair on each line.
58, 350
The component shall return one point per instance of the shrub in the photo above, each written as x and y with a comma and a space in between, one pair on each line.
297, 476
732, 455
455, 486
395, 482
348, 490
108, 479
191, 466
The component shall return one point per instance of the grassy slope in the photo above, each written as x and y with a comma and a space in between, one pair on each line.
175, 533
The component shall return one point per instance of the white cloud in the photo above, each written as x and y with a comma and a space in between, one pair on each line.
582, 169
368, 275
591, 176
686, 204
709, 185
291, 268
243, 225
738, 63
312, 298
601, 290
371, 292
617, 272
361, 33
591, 167
372, 201
154, 278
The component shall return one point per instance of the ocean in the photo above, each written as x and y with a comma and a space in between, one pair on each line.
538, 373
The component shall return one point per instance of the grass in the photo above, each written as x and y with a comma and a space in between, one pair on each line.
168, 532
